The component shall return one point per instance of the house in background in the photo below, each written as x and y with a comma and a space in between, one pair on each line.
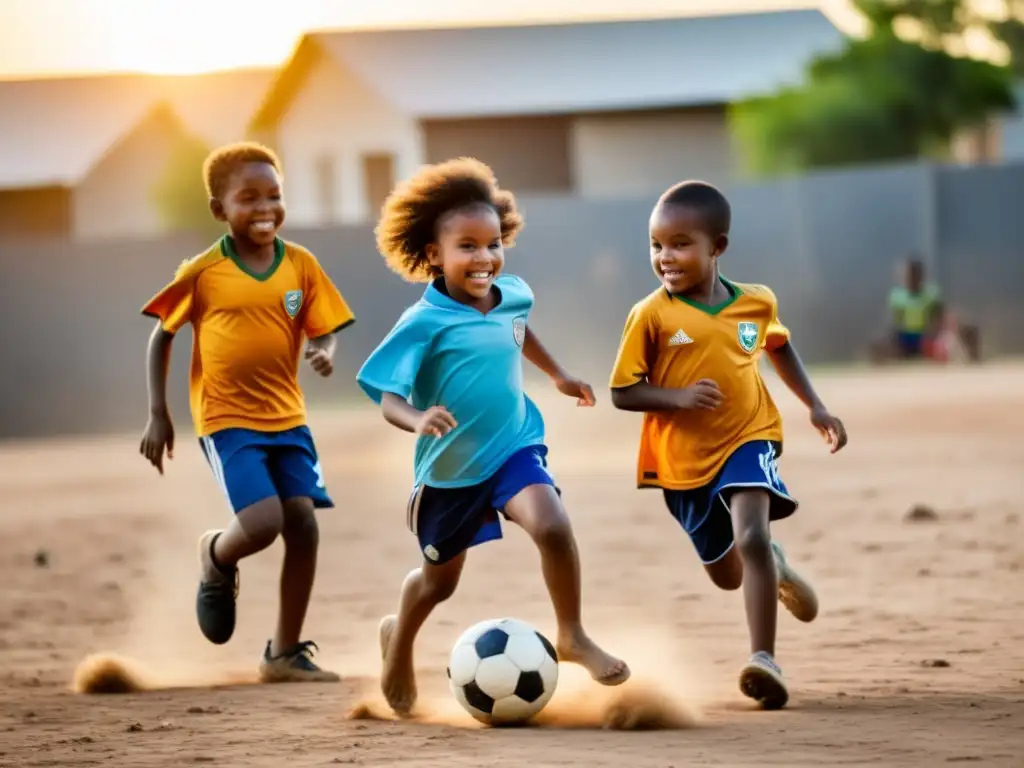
81, 155
1000, 139
596, 109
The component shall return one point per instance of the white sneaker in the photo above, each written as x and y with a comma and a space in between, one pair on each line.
761, 680
794, 591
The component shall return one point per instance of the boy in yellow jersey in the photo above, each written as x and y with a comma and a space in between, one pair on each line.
711, 434
252, 299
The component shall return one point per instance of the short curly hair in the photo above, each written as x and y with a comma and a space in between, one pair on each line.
410, 215
223, 161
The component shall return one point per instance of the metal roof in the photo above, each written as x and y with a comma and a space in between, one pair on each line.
592, 66
52, 131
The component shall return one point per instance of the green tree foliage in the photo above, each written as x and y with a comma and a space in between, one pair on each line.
880, 98
1008, 29
179, 194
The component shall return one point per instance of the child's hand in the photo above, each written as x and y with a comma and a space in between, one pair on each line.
830, 427
159, 435
321, 360
702, 396
577, 388
436, 421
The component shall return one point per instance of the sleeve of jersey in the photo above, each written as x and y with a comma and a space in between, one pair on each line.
776, 335
632, 363
516, 292
326, 309
393, 365
897, 299
173, 305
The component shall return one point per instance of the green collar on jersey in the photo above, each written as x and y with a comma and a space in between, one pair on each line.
734, 291
227, 247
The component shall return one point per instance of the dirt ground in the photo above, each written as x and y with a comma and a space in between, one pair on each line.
917, 657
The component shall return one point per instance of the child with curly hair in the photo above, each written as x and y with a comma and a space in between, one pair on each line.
451, 372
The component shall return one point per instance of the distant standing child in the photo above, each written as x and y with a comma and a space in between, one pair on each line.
922, 326
916, 307
711, 434
451, 372
252, 298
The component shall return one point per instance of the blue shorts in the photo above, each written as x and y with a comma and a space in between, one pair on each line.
448, 521
251, 466
910, 344
704, 512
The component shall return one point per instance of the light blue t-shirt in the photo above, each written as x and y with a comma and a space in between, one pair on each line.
443, 352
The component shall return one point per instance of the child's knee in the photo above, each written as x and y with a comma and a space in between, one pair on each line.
726, 573
435, 583
438, 585
300, 527
755, 544
553, 532
262, 522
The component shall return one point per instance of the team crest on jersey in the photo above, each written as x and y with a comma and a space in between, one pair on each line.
292, 302
519, 330
747, 333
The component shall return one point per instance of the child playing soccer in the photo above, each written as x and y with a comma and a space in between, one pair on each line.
712, 436
451, 372
251, 298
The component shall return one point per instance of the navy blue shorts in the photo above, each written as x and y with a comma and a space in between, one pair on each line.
448, 521
910, 344
250, 466
704, 512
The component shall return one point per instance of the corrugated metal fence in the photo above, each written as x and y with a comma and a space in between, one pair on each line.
73, 343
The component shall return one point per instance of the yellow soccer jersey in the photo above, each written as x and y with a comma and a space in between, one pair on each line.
674, 342
248, 332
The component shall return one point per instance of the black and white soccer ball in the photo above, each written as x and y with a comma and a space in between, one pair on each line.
503, 671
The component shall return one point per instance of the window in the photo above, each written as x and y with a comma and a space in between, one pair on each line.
378, 179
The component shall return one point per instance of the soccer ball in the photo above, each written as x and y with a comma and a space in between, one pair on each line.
503, 671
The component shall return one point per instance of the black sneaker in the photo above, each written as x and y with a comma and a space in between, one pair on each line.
217, 595
294, 666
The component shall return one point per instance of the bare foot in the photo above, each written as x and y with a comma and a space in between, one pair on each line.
603, 667
398, 680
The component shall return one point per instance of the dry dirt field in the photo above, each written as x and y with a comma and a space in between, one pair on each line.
917, 657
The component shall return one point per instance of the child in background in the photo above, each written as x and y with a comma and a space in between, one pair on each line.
252, 299
712, 436
915, 306
923, 327
450, 371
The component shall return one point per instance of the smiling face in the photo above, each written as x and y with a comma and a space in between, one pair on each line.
683, 253
469, 253
252, 204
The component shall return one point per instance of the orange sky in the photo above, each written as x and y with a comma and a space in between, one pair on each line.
40, 37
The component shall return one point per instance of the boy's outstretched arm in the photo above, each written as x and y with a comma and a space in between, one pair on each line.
644, 396
792, 372
538, 354
159, 434
399, 412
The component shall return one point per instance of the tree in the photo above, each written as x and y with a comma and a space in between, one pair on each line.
880, 98
1008, 29
179, 194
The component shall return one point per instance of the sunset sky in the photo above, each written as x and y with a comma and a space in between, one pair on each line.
48, 37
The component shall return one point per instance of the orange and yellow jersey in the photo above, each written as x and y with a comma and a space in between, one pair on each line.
248, 332
673, 342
